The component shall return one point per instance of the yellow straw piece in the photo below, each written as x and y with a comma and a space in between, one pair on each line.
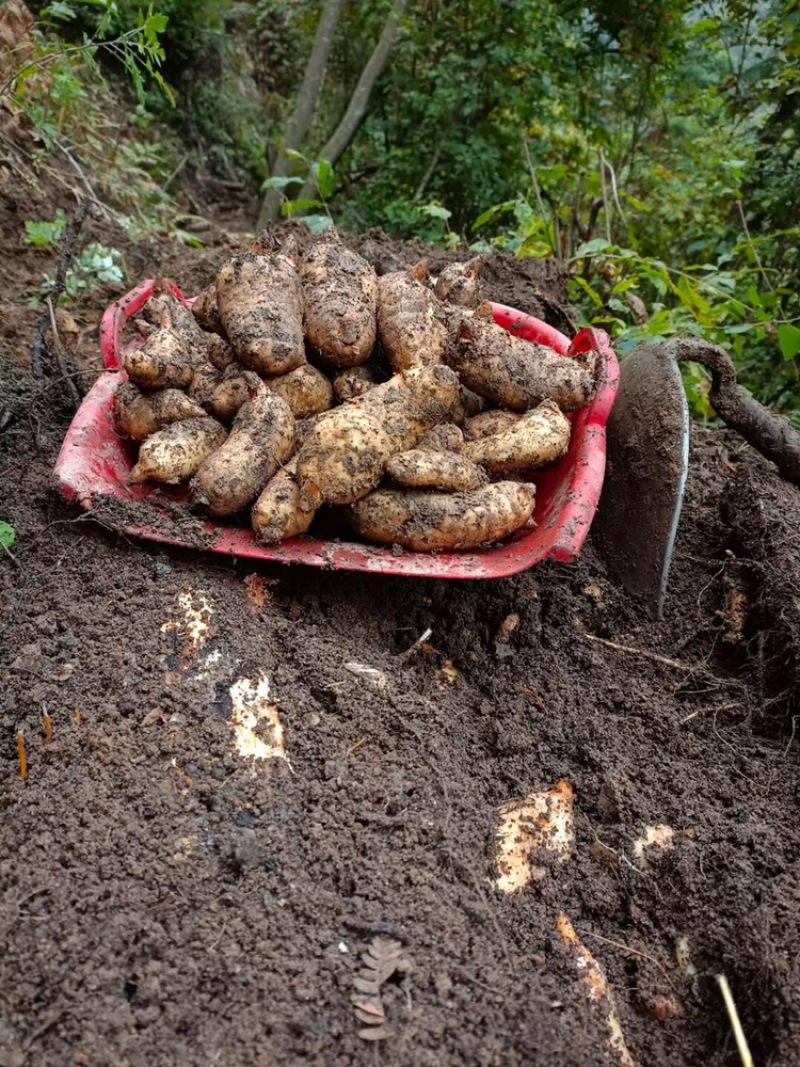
736, 1025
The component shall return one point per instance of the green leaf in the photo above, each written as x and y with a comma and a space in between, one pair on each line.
323, 172
188, 238
279, 183
318, 223
591, 248
595, 297
45, 234
436, 211
8, 535
491, 213
789, 340
291, 207
60, 10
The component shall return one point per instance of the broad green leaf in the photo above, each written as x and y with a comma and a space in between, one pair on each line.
789, 340
45, 234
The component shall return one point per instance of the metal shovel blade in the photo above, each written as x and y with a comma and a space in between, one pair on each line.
647, 463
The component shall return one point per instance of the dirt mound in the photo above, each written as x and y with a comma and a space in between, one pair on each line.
163, 897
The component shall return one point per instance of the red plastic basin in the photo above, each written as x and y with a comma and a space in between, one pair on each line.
94, 461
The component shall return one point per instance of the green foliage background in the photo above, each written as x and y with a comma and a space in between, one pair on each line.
651, 144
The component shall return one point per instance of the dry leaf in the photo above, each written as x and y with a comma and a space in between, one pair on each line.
364, 985
257, 592
380, 961
375, 1033
371, 674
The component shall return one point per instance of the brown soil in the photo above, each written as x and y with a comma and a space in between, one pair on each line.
164, 899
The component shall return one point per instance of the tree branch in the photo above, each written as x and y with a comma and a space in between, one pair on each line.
305, 109
359, 101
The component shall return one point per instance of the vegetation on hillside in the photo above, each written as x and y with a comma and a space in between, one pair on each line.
651, 145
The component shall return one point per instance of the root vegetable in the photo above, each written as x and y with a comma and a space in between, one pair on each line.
163, 362
235, 389
174, 454
306, 390
138, 415
514, 373
340, 290
469, 404
426, 469
281, 510
220, 352
444, 438
540, 437
143, 327
261, 439
459, 283
411, 403
344, 456
424, 521
489, 422
204, 381
165, 310
261, 307
411, 321
354, 381
206, 310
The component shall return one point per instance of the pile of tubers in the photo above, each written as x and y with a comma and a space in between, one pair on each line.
299, 381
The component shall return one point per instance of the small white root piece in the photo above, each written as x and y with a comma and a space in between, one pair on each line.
660, 838
542, 822
598, 989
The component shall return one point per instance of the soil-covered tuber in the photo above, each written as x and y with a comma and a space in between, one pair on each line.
261, 439
425, 521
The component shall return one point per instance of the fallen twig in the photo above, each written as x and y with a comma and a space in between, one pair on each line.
654, 656
420, 641
66, 376
59, 286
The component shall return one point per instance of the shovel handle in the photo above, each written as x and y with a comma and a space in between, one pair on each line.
771, 434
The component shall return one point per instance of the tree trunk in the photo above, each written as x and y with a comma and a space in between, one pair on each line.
305, 108
359, 101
